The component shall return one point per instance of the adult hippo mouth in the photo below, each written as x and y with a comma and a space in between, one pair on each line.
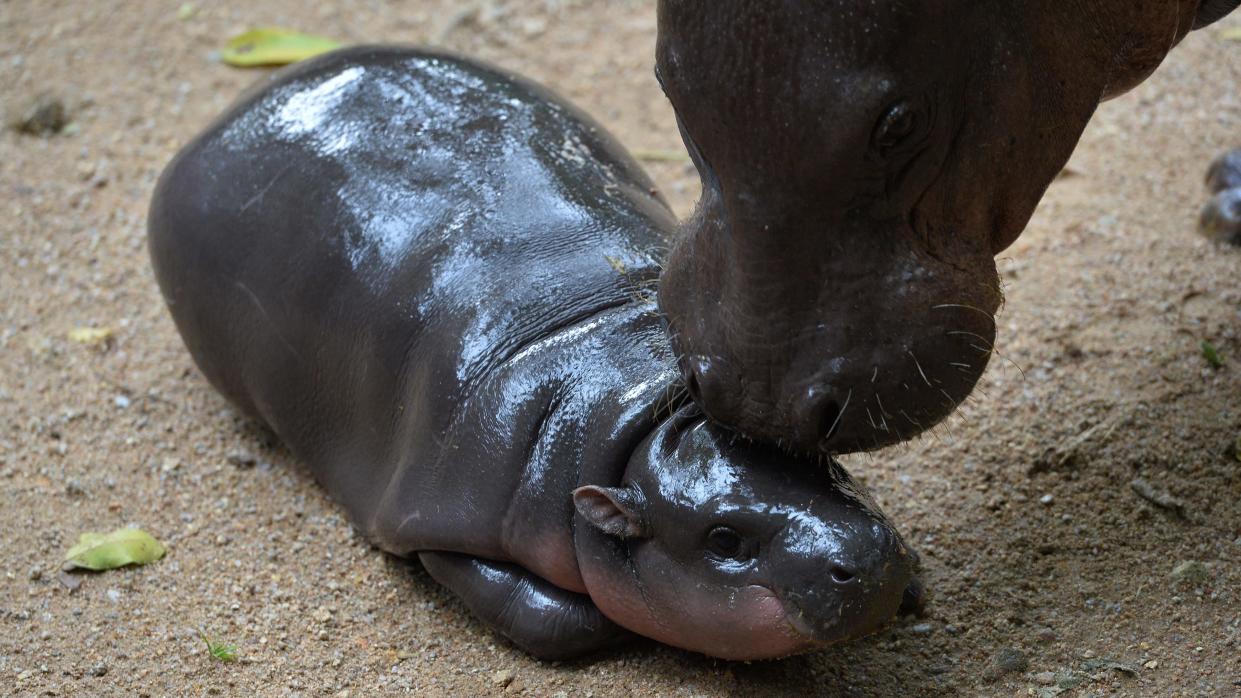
862, 165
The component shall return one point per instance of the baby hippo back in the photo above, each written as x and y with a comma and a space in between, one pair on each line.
360, 242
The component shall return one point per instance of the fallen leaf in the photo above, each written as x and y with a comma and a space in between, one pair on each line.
90, 335
124, 546
273, 46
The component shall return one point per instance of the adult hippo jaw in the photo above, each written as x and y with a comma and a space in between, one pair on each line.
862, 166
735, 551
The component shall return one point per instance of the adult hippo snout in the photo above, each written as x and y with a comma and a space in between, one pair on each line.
862, 165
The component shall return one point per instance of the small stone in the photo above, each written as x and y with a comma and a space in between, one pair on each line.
922, 629
322, 615
171, 464
121, 401
502, 678
35, 574
73, 488
98, 670
1010, 660
1045, 678
242, 459
1190, 572
45, 116
69, 581
1046, 500
1046, 635
1152, 664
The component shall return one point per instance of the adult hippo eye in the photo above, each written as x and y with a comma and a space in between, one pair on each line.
897, 124
726, 544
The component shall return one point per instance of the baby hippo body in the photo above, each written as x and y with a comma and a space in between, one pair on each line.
431, 280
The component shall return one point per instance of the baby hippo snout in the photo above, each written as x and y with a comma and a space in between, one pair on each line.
842, 582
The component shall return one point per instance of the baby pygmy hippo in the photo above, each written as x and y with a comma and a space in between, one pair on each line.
431, 280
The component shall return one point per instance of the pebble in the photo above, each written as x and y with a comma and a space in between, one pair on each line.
1045, 678
1046, 500
242, 459
922, 629
98, 670
1190, 572
1010, 660
1046, 635
35, 574
121, 401
46, 115
502, 678
73, 488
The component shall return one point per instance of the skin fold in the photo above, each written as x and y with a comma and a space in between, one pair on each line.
435, 282
862, 165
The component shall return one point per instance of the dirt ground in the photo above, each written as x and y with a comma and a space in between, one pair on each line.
1050, 572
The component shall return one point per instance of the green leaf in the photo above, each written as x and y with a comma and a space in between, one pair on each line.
273, 46
1211, 354
124, 546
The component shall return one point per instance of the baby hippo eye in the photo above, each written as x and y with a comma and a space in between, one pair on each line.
725, 543
895, 125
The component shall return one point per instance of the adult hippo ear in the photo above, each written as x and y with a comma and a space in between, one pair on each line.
1211, 11
862, 165
614, 510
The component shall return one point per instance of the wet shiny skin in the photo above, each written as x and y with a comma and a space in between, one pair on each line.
434, 283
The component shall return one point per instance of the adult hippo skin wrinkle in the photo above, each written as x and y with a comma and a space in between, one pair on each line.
434, 283
862, 165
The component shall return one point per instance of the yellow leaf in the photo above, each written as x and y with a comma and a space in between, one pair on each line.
273, 46
90, 335
124, 546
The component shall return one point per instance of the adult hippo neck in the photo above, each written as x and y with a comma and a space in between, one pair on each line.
836, 287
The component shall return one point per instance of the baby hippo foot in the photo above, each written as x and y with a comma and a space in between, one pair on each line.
534, 614
1221, 217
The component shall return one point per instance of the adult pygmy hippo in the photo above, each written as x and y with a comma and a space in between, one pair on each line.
862, 165
430, 280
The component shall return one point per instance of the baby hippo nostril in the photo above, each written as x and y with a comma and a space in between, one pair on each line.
842, 574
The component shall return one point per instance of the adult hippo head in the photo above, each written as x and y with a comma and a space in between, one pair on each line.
862, 165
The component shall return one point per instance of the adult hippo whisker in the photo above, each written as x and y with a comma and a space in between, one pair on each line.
919, 366
963, 306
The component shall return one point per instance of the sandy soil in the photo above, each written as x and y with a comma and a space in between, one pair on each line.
1040, 553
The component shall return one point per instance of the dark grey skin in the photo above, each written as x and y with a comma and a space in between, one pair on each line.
862, 166
431, 281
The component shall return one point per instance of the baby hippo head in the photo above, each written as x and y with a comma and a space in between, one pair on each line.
732, 550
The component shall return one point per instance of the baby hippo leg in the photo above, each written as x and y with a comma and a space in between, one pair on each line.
536, 615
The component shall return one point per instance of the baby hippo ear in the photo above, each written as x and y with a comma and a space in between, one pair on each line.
614, 510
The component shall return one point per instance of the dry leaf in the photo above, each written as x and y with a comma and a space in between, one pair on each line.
90, 335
